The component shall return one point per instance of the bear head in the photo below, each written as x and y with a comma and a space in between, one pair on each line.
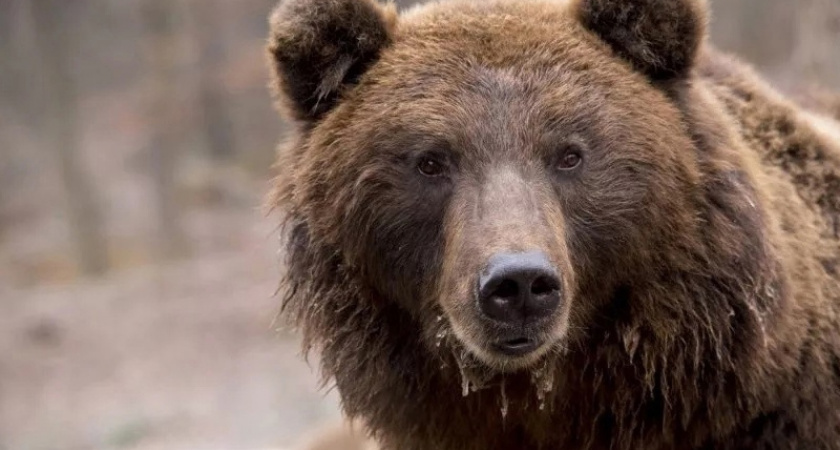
495, 178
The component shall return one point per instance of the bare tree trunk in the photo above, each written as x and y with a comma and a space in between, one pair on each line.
8, 81
215, 117
160, 17
405, 4
759, 30
817, 50
56, 46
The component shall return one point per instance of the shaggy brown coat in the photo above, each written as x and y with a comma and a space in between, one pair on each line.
698, 243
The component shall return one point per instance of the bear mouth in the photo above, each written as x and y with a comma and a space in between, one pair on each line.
516, 347
504, 349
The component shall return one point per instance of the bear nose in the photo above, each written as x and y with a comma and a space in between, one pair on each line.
518, 288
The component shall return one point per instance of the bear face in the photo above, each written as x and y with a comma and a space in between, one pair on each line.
496, 170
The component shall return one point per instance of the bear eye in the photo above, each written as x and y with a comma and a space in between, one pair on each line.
430, 167
570, 158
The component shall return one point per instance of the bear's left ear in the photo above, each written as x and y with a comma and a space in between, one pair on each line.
318, 47
660, 38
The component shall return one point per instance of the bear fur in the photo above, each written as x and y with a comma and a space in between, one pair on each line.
697, 241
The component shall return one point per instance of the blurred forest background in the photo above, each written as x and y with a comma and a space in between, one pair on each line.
136, 267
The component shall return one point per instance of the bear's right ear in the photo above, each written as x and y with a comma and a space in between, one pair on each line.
317, 47
660, 38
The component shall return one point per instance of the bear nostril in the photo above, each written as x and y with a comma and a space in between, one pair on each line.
508, 289
544, 286
518, 288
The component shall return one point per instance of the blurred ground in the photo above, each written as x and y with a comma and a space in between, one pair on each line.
174, 357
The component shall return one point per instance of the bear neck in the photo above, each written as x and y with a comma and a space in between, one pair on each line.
609, 390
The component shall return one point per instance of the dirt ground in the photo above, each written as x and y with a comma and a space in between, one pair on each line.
178, 357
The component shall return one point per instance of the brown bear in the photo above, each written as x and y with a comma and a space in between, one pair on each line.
549, 224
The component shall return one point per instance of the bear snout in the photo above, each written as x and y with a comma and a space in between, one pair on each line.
519, 289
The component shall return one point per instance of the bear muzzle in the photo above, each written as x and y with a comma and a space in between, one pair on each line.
519, 293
